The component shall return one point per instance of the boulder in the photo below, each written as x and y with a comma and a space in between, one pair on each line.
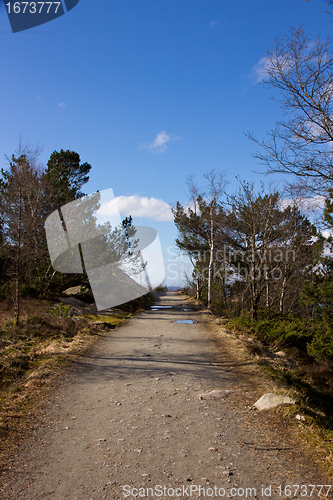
80, 292
79, 305
271, 400
75, 302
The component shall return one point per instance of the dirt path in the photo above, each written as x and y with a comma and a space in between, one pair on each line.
128, 414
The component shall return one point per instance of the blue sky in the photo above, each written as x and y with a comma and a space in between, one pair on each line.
148, 92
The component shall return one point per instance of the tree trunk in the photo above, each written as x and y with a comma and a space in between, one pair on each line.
17, 302
17, 266
211, 261
224, 292
197, 284
242, 304
254, 309
283, 291
252, 277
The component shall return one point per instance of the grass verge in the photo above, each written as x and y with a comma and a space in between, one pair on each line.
311, 419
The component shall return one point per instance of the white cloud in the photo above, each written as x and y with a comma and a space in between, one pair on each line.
259, 70
159, 144
137, 206
327, 233
62, 105
191, 206
213, 23
306, 204
315, 130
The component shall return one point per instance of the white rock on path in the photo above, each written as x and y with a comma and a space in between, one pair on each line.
214, 394
270, 400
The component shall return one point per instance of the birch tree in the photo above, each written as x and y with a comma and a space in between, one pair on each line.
211, 210
200, 225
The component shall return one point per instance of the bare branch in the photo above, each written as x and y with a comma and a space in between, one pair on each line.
302, 144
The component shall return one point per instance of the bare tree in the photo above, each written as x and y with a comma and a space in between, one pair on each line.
301, 144
22, 206
329, 5
212, 208
193, 197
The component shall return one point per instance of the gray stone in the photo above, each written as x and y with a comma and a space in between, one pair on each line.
214, 394
271, 400
74, 302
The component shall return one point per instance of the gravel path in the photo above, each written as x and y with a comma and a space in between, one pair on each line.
128, 416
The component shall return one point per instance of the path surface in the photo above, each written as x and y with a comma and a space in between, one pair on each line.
129, 414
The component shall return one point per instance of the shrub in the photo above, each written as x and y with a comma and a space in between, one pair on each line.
286, 331
62, 311
321, 346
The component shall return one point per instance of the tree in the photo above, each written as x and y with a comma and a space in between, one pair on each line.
130, 232
66, 176
211, 211
189, 241
329, 4
254, 224
318, 293
199, 227
22, 204
301, 145
298, 252
28, 194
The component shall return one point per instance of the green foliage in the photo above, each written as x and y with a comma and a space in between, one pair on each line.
321, 346
313, 338
28, 194
66, 175
317, 296
62, 311
287, 331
